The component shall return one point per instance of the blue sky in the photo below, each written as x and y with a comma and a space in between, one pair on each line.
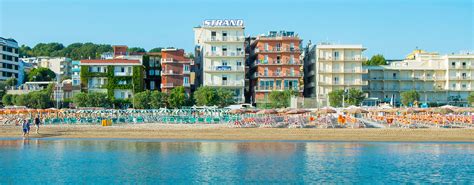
392, 27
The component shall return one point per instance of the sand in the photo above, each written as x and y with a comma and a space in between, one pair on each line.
222, 132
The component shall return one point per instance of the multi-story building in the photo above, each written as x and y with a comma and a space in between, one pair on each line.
275, 65
76, 76
444, 79
9, 66
119, 78
176, 70
331, 67
61, 66
153, 70
220, 55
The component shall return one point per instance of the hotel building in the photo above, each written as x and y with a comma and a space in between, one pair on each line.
9, 59
331, 67
220, 55
153, 70
176, 70
275, 65
61, 66
444, 79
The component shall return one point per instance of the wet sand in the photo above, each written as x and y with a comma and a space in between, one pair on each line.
222, 132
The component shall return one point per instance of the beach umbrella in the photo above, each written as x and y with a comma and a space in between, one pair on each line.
296, 111
236, 111
326, 110
355, 110
251, 110
267, 111
283, 110
442, 110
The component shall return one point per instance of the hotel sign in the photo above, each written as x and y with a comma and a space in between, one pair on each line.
224, 23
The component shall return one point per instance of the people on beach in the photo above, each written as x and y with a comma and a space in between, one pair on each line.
25, 125
37, 124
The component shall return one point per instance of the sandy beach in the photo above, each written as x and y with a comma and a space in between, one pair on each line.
222, 132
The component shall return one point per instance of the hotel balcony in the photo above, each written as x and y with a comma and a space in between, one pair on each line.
340, 83
171, 60
123, 73
167, 85
276, 74
278, 50
329, 59
275, 88
361, 71
278, 62
460, 78
225, 69
96, 86
409, 79
226, 84
226, 54
170, 72
215, 39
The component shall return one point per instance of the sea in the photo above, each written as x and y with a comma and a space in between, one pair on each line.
124, 161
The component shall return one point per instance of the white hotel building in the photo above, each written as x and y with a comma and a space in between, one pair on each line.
444, 79
331, 67
9, 63
220, 55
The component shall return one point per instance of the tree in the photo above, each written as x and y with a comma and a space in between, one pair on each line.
11, 81
376, 60
80, 100
41, 74
177, 97
206, 96
76, 51
470, 99
335, 98
93, 99
38, 100
8, 99
135, 50
158, 49
25, 51
142, 100
279, 99
158, 100
409, 97
354, 97
225, 97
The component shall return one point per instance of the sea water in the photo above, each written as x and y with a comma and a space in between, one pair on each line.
102, 161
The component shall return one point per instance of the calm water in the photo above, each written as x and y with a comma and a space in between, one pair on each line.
222, 162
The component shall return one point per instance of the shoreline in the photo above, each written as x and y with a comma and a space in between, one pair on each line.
222, 132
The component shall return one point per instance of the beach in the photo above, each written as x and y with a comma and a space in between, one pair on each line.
223, 132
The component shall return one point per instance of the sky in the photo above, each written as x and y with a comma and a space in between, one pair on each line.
390, 27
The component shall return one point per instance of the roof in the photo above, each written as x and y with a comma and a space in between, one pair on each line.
110, 61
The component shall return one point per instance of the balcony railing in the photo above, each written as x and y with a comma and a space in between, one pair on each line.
225, 54
226, 39
276, 74
342, 59
96, 86
277, 50
275, 88
123, 73
343, 70
347, 83
170, 72
167, 85
171, 60
278, 62
226, 83
460, 78
225, 68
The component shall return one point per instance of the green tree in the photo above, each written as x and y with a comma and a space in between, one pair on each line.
158, 100
8, 99
409, 97
41, 74
376, 60
81, 100
470, 99
11, 81
142, 100
22, 100
335, 98
38, 100
177, 97
135, 50
158, 49
354, 97
97, 99
280, 99
205, 95
25, 51
225, 97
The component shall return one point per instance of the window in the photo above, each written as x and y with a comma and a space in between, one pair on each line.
122, 82
239, 63
213, 35
292, 59
464, 64
157, 72
292, 46
185, 80
394, 75
265, 47
186, 67
224, 63
151, 72
265, 71
265, 58
453, 85
464, 86
152, 85
336, 54
213, 49
453, 64
278, 46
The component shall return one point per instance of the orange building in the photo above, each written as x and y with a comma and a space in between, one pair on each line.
176, 70
275, 65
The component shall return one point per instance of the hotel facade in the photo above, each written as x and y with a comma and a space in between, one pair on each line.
330, 67
9, 63
176, 70
443, 79
220, 55
275, 65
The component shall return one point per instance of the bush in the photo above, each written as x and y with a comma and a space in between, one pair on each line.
7, 99
210, 96
177, 97
93, 99
409, 97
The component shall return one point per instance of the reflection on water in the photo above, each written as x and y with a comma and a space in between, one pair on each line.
135, 161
